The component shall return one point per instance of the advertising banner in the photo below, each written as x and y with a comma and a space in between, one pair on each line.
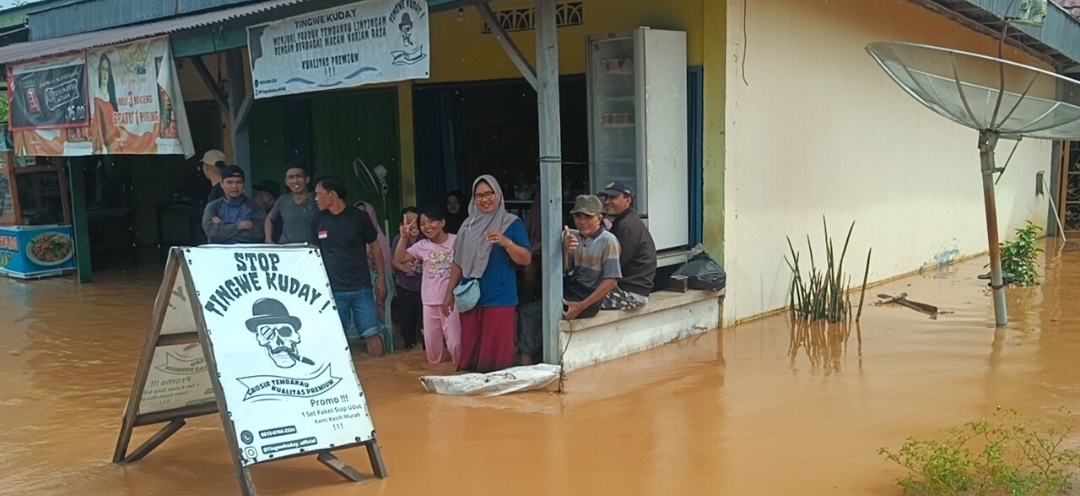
134, 103
282, 359
49, 94
36, 251
375, 41
137, 106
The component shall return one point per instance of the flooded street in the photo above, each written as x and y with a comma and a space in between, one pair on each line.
720, 413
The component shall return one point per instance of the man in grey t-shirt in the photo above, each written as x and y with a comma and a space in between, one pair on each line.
296, 211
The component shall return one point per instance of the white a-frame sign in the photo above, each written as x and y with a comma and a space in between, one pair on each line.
251, 332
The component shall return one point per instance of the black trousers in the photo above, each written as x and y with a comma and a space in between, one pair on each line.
408, 311
530, 317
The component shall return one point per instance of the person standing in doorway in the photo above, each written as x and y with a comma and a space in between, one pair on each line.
267, 193
213, 162
487, 249
343, 234
296, 211
456, 203
234, 218
407, 307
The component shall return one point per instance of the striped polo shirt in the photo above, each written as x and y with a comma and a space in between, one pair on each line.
595, 259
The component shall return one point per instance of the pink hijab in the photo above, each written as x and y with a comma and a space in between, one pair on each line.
383, 243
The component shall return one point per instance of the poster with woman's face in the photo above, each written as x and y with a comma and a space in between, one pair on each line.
137, 105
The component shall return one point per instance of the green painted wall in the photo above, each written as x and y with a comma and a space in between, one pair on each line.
360, 124
281, 133
267, 150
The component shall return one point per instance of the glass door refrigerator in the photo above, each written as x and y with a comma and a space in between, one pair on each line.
638, 125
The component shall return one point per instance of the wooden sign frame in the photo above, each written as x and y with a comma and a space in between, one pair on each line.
176, 418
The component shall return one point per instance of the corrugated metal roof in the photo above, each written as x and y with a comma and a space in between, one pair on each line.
190, 6
85, 17
95, 15
1070, 6
74, 43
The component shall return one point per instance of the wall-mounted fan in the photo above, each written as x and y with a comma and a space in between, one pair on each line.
374, 181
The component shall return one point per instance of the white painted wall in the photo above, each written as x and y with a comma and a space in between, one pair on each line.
817, 128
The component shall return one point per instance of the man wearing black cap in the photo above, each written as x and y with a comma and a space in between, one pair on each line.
638, 258
234, 218
267, 193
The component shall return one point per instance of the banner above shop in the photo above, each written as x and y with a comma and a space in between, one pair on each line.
375, 41
134, 104
49, 94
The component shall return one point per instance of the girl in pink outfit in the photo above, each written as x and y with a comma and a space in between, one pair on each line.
436, 254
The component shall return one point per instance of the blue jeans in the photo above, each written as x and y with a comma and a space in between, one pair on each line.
359, 307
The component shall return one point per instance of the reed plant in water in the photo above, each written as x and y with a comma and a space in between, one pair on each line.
822, 293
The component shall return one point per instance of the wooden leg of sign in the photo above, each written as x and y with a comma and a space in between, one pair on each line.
131, 411
247, 486
341, 468
155, 440
377, 464
243, 475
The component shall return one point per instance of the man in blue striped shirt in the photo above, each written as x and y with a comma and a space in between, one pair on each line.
591, 271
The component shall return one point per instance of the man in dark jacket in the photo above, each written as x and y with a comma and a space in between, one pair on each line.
638, 258
235, 218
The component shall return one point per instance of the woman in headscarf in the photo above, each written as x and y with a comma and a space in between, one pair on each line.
455, 211
487, 248
384, 244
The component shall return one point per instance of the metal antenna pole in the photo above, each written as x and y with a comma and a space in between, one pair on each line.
987, 144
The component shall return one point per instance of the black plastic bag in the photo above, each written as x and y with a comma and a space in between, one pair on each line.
702, 272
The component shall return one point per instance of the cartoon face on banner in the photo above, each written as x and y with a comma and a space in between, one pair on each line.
277, 331
281, 353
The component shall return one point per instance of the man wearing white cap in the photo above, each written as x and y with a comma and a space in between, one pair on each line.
213, 162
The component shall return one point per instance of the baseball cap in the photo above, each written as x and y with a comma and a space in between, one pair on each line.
212, 157
588, 204
232, 171
616, 188
268, 186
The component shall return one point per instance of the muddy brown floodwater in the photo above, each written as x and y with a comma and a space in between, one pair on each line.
722, 413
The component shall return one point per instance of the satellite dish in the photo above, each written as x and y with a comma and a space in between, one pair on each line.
998, 98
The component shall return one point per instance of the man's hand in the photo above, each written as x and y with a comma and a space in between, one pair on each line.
217, 220
380, 292
573, 309
245, 225
570, 242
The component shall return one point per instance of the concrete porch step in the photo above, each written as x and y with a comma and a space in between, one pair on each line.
669, 316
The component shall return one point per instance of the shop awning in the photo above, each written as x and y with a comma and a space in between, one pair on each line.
69, 44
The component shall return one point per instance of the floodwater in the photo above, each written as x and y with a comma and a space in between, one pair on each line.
727, 412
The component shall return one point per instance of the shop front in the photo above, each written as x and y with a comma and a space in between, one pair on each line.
631, 96
36, 238
84, 127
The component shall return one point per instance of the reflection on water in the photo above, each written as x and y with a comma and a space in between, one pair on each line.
824, 345
759, 409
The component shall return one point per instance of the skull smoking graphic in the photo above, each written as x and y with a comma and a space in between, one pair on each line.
277, 331
406, 29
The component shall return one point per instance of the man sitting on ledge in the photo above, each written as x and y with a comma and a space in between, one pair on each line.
638, 258
591, 271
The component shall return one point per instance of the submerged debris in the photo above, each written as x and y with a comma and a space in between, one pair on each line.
902, 300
